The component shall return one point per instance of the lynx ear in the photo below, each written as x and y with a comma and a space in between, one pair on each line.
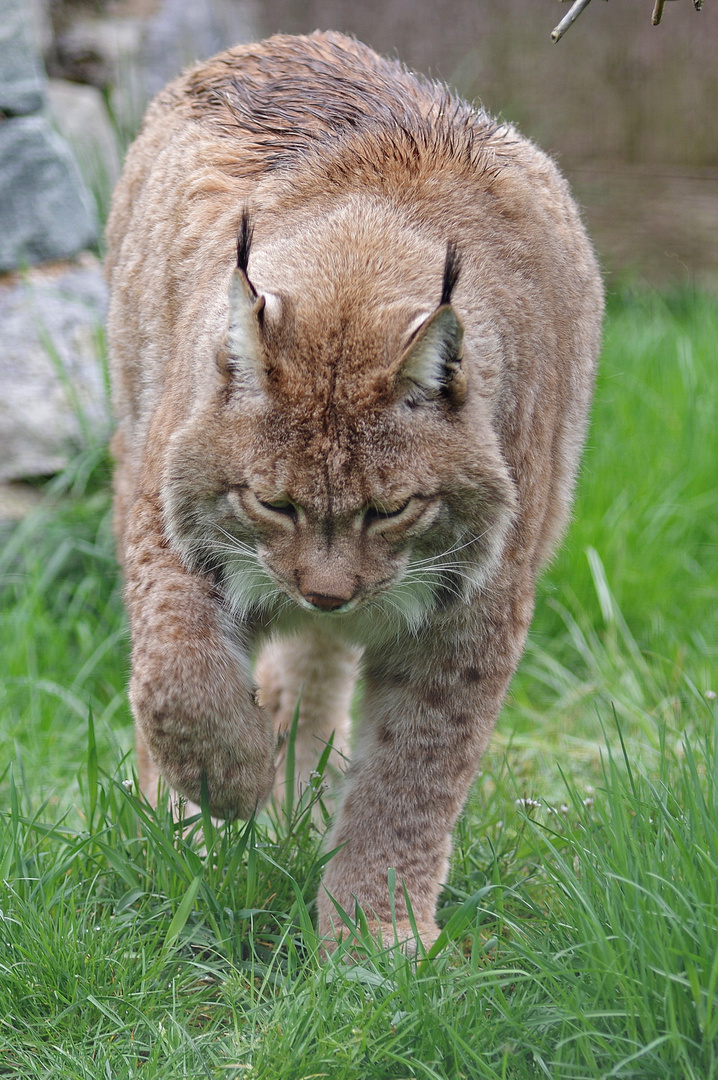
431, 365
242, 355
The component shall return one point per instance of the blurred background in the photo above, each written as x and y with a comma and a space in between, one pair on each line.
629, 110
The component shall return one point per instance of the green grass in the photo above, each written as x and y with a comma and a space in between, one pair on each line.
581, 914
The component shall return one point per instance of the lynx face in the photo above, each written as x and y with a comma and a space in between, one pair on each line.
337, 499
400, 551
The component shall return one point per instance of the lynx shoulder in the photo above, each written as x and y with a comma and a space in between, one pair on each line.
353, 330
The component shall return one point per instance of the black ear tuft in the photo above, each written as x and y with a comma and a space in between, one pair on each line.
452, 269
244, 242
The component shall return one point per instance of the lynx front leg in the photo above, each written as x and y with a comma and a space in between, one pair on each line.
319, 671
151, 782
191, 691
426, 724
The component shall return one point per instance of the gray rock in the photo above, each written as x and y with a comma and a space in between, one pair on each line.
22, 79
80, 115
107, 53
131, 57
181, 33
53, 398
45, 210
41, 25
97, 51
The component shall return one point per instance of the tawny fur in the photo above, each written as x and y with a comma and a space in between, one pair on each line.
351, 451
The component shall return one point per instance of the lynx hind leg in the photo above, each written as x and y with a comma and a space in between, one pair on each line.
319, 672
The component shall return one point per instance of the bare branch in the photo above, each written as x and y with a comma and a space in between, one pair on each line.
580, 5
657, 12
569, 18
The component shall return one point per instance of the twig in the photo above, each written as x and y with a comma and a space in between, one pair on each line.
657, 12
569, 18
580, 5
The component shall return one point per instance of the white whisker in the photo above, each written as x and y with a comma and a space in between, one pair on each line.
451, 550
439, 571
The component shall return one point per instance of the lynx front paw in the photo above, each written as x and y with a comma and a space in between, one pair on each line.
334, 931
236, 787
235, 756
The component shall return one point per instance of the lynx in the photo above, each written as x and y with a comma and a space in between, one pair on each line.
353, 328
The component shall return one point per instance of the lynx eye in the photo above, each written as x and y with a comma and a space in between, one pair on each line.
251, 504
374, 514
280, 506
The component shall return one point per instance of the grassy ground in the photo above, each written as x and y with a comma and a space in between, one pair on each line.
581, 914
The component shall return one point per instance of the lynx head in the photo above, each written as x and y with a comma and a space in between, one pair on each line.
334, 465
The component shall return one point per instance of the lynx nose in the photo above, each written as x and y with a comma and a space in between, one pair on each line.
326, 603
